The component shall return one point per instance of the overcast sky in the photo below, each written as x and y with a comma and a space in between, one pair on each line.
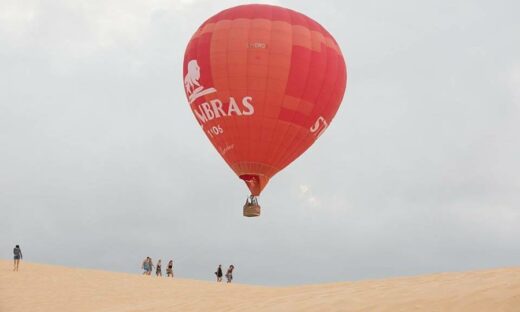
102, 162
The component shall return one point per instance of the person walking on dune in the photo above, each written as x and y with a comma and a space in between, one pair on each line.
145, 266
150, 266
229, 273
169, 270
17, 257
219, 273
158, 269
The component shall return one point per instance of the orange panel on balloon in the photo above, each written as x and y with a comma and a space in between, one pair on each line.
264, 82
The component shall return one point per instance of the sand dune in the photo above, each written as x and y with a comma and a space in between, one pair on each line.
39, 287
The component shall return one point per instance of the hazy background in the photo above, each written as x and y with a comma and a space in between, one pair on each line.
102, 162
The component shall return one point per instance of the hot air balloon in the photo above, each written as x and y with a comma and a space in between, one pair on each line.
263, 82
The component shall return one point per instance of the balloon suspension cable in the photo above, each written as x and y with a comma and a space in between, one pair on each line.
253, 199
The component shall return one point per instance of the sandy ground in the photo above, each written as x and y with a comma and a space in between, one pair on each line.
39, 287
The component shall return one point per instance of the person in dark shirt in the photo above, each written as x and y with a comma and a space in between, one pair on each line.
17, 257
219, 273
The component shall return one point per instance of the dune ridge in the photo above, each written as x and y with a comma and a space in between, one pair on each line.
40, 287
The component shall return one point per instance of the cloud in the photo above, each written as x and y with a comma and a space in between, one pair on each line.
84, 27
307, 197
331, 202
16, 17
514, 82
486, 222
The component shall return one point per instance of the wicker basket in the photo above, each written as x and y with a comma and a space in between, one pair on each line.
251, 210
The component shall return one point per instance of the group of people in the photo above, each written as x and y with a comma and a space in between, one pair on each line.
148, 267
229, 273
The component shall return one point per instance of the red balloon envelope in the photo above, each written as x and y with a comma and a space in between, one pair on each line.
263, 82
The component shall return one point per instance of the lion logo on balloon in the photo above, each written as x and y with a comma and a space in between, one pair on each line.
194, 89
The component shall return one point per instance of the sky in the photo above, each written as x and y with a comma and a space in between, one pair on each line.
102, 162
